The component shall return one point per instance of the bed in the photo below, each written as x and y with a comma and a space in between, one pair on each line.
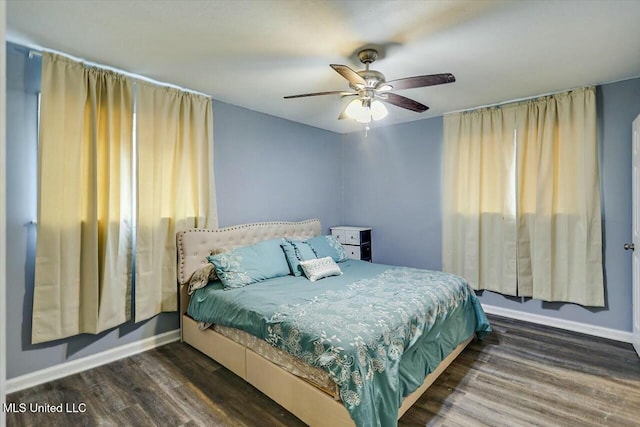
285, 336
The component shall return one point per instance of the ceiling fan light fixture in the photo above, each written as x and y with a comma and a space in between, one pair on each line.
356, 111
378, 110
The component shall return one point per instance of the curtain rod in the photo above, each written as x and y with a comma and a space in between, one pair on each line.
33, 53
499, 104
529, 98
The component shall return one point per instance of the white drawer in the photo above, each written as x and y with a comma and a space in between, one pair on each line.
352, 237
339, 234
353, 252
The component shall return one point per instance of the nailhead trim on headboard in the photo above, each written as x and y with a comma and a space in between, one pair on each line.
196, 244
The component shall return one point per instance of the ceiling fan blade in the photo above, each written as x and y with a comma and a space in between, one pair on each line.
422, 81
346, 72
403, 102
333, 92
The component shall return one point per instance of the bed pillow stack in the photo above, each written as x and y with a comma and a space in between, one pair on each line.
297, 251
272, 258
249, 264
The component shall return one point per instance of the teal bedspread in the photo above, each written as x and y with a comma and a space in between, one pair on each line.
378, 330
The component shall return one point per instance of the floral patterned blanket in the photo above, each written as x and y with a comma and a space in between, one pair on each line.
377, 330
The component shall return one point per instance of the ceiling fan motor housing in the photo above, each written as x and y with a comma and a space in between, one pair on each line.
367, 56
372, 77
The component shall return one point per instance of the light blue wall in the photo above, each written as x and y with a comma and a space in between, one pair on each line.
266, 169
269, 169
392, 182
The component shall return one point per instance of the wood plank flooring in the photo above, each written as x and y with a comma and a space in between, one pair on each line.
521, 375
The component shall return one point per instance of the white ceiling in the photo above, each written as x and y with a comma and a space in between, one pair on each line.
252, 53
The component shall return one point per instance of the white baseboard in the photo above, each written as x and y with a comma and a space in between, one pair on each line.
85, 363
569, 325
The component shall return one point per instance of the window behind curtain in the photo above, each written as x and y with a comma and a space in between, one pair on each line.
550, 246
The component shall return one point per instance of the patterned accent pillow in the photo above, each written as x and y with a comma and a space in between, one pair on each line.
205, 274
325, 246
249, 264
296, 251
316, 269
202, 277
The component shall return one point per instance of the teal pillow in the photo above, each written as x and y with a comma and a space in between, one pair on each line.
296, 251
249, 264
325, 246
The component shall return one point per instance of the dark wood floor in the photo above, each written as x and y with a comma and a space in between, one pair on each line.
521, 375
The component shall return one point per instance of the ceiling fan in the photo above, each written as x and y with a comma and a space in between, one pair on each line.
372, 90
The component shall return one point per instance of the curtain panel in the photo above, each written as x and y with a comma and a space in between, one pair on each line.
559, 215
547, 243
479, 221
175, 187
83, 252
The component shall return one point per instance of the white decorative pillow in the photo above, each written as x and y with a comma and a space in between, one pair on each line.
201, 277
316, 269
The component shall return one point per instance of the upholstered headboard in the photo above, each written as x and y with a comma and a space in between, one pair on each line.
196, 244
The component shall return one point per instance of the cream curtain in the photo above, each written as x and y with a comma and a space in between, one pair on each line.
175, 187
559, 224
546, 177
479, 222
83, 254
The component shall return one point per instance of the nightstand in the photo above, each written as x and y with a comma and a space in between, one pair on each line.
355, 240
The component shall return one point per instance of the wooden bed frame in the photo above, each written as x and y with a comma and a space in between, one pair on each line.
312, 405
